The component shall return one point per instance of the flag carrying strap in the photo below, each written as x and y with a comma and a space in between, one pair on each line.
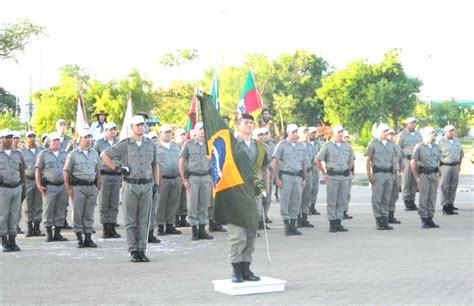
259, 187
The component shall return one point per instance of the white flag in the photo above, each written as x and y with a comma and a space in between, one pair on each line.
126, 131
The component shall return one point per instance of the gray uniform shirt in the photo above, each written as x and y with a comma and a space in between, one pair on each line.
195, 155
450, 152
168, 159
407, 141
30, 159
65, 141
51, 166
100, 146
11, 166
398, 155
336, 157
252, 153
382, 156
81, 165
140, 159
427, 157
291, 157
270, 148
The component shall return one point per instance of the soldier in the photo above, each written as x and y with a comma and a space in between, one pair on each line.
339, 159
315, 179
16, 140
304, 135
135, 157
167, 157
82, 181
407, 141
61, 129
34, 202
289, 169
12, 177
345, 138
399, 167
264, 136
16, 146
425, 167
108, 198
451, 157
98, 127
182, 211
50, 182
197, 182
241, 240
380, 165
266, 122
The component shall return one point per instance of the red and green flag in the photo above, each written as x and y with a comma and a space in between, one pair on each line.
192, 113
250, 100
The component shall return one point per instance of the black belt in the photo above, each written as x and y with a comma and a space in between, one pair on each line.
297, 173
332, 172
377, 170
408, 156
449, 164
79, 182
105, 172
54, 184
5, 185
199, 173
169, 177
31, 178
138, 181
427, 171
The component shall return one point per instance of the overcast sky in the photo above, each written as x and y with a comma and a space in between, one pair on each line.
110, 38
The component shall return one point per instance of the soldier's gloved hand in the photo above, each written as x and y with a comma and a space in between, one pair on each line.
156, 188
125, 170
264, 194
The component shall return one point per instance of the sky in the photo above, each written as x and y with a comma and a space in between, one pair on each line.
110, 38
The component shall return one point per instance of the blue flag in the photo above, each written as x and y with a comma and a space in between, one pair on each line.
214, 92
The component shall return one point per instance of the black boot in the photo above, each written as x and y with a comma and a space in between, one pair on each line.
408, 206
332, 226
113, 232
298, 221
385, 224
88, 243
312, 210
221, 229
152, 238
134, 257
19, 231
202, 234
5, 244
237, 273
262, 225
212, 226
170, 229
339, 226
425, 223
293, 227
288, 231
57, 234
268, 221
177, 222
454, 207
12, 243
345, 216
431, 223
80, 242
161, 230
448, 209
66, 225
143, 257
30, 232
36, 229
392, 219
247, 274
379, 225
195, 233
106, 233
49, 234
184, 223
305, 222
413, 205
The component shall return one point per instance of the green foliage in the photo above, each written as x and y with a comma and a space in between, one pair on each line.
9, 121
7, 101
15, 37
179, 57
173, 103
365, 135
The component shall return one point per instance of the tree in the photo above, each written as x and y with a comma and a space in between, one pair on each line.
8, 120
179, 57
14, 37
7, 101
173, 103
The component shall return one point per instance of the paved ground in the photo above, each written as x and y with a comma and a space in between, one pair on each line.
409, 265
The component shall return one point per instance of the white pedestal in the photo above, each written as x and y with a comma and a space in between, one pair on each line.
266, 284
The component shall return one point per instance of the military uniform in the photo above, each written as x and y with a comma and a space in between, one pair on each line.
199, 193
451, 156
33, 201
83, 167
315, 179
427, 159
64, 142
292, 157
137, 187
306, 195
337, 157
395, 186
269, 148
108, 198
349, 189
12, 167
407, 142
55, 200
382, 158
170, 186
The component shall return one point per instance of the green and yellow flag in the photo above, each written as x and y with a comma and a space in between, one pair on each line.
232, 171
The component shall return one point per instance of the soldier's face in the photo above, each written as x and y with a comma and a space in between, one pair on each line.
246, 126
54, 144
266, 136
165, 136
200, 134
266, 115
383, 135
111, 133
138, 129
101, 118
449, 134
16, 141
31, 140
85, 141
61, 128
390, 136
312, 136
411, 126
7, 141
338, 136
293, 135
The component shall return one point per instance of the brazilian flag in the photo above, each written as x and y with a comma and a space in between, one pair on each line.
232, 171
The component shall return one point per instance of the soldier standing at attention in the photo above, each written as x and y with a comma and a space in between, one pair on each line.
306, 196
289, 169
407, 141
339, 159
82, 181
451, 157
425, 167
108, 198
34, 202
50, 182
346, 139
135, 157
182, 211
315, 188
12, 177
399, 167
264, 136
